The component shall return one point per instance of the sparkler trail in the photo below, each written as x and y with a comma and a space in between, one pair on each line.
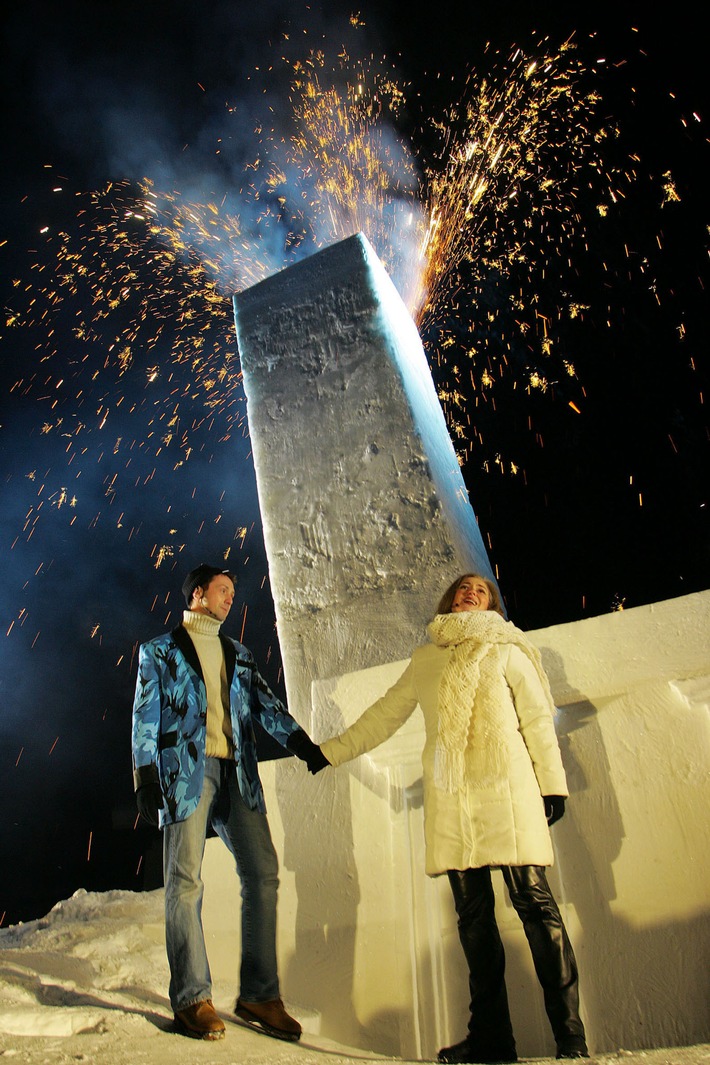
137, 287
531, 134
144, 261
352, 172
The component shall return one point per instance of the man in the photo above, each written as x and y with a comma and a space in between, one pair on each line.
195, 768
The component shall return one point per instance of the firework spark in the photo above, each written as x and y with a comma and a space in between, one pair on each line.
130, 301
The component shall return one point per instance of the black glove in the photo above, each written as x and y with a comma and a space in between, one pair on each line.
149, 799
309, 752
554, 807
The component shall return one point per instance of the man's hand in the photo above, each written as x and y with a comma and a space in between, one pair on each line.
149, 799
309, 752
554, 807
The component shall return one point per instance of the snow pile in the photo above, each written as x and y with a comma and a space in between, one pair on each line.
90, 956
89, 982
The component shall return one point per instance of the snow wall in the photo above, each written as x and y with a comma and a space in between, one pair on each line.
369, 953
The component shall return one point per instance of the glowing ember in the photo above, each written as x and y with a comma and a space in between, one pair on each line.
479, 221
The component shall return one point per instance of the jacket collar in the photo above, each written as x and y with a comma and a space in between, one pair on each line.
182, 638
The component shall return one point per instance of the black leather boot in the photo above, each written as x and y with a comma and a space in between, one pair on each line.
468, 1050
490, 1033
552, 954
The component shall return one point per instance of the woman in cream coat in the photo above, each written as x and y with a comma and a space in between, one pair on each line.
493, 783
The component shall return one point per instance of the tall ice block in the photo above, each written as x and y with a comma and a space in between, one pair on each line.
365, 513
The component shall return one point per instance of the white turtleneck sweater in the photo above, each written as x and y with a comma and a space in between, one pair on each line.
204, 633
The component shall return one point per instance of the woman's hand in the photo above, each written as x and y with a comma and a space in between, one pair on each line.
554, 807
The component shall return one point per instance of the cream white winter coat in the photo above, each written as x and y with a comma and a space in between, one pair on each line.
497, 821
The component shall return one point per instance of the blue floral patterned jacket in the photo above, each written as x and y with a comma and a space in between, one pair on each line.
170, 714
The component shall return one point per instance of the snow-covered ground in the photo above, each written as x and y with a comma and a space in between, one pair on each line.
87, 983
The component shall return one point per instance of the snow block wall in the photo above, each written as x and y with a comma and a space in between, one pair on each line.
369, 952
365, 513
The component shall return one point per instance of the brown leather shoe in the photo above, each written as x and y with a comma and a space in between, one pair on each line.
200, 1021
270, 1018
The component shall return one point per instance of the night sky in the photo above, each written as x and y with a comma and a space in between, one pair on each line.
119, 477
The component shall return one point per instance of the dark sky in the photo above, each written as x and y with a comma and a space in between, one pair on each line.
101, 470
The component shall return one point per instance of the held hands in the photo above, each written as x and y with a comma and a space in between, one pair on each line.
554, 807
309, 752
149, 799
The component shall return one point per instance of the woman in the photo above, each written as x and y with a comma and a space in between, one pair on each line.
493, 783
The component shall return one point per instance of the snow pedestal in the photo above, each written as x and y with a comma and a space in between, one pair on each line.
366, 516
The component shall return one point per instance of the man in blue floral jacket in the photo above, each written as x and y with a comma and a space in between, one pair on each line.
195, 768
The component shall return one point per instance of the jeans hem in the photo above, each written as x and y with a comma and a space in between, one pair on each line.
192, 1002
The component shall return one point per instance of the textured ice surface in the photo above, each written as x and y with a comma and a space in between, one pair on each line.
366, 516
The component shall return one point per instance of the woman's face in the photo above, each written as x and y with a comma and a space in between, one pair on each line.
471, 594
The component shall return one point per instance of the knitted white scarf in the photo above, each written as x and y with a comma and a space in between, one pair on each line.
471, 744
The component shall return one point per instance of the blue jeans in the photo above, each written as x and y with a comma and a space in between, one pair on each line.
246, 834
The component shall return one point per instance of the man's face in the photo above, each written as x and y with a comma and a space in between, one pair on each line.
216, 599
471, 594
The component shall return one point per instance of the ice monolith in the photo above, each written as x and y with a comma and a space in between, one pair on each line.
365, 513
